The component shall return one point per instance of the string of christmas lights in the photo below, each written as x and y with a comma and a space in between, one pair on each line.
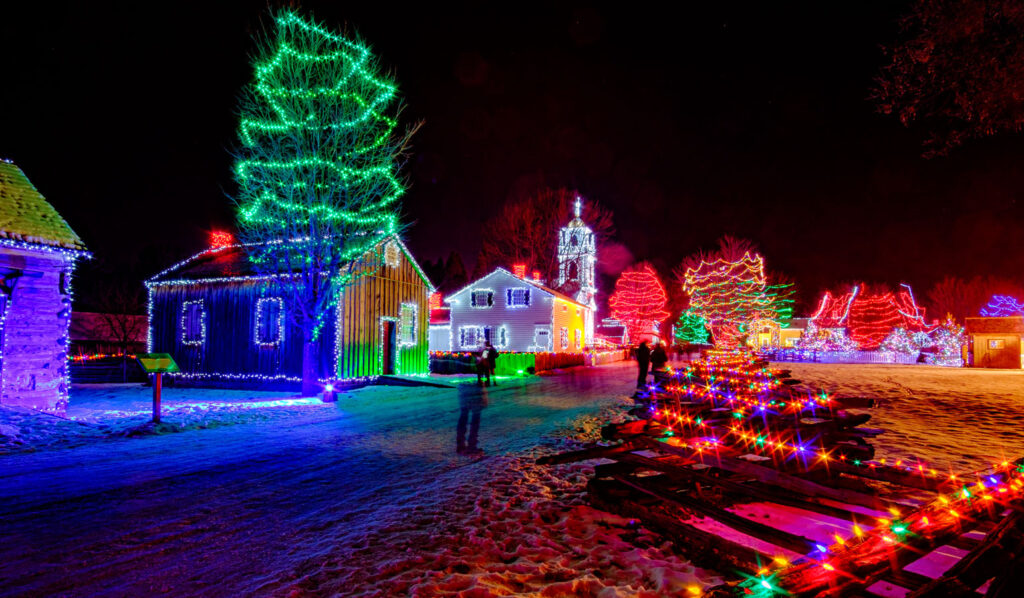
729, 295
639, 300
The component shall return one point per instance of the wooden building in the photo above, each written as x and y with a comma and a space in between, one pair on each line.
38, 251
223, 322
994, 342
516, 314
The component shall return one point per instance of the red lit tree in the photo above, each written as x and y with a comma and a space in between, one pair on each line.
639, 300
870, 317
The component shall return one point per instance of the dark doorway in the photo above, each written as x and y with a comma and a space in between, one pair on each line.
389, 329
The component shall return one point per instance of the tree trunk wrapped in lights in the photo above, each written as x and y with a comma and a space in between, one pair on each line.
317, 167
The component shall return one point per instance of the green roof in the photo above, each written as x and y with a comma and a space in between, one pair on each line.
25, 215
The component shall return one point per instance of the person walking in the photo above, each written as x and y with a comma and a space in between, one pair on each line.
643, 361
491, 355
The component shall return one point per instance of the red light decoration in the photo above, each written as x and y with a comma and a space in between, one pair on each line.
220, 239
536, 275
519, 270
639, 300
871, 318
435, 301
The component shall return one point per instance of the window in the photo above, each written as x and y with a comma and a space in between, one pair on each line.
576, 337
565, 338
470, 337
481, 298
574, 270
407, 324
996, 343
193, 323
392, 255
269, 321
517, 297
496, 336
542, 338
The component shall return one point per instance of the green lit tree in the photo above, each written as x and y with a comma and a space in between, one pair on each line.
317, 168
691, 329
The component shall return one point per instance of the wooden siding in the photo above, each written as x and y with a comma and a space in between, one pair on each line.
520, 322
35, 330
366, 303
988, 357
230, 348
572, 317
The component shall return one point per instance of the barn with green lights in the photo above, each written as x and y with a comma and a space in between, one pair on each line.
223, 322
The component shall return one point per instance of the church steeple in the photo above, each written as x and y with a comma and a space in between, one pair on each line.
577, 258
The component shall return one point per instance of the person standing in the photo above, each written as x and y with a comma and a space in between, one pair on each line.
658, 357
643, 361
491, 355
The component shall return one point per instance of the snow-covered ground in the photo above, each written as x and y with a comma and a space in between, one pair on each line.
257, 494
953, 418
363, 497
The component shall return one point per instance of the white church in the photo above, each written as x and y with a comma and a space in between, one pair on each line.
517, 313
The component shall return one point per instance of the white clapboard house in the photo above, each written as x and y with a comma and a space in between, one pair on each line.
516, 314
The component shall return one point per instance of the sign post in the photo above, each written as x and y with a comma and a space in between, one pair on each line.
157, 364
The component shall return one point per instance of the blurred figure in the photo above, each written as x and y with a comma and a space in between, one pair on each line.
643, 361
491, 355
472, 400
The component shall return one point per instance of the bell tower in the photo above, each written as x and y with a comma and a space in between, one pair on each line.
577, 258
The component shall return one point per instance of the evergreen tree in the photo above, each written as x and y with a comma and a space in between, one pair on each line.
317, 168
691, 329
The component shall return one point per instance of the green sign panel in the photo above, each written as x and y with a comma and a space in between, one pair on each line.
157, 363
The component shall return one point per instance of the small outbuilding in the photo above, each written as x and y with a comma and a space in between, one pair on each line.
38, 251
994, 342
225, 323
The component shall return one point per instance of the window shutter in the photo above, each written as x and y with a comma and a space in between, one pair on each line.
490, 299
527, 297
472, 298
508, 297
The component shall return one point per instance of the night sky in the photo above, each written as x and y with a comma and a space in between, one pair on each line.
749, 119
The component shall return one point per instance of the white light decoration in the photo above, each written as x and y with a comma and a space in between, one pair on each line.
153, 284
577, 258
476, 333
392, 255
481, 298
279, 337
407, 324
565, 338
185, 340
517, 297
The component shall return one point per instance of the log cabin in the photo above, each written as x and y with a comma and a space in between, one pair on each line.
226, 324
38, 252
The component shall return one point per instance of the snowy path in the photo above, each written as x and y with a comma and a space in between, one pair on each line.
320, 502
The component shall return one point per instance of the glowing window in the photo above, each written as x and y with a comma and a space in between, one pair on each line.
407, 324
269, 320
996, 343
517, 297
193, 323
576, 337
565, 338
481, 298
470, 337
392, 255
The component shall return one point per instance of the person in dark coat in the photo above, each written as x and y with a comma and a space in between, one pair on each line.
658, 357
483, 369
643, 361
491, 355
